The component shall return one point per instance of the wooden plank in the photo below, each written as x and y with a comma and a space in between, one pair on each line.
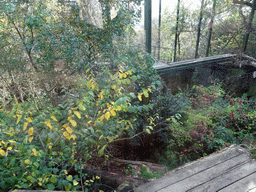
207, 175
189, 169
228, 178
247, 183
193, 62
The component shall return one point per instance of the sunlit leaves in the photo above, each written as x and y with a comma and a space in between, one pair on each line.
66, 134
29, 120
35, 152
25, 126
107, 115
48, 123
75, 182
19, 118
30, 139
27, 161
69, 130
81, 107
2, 152
73, 122
77, 114
140, 96
30, 131
53, 118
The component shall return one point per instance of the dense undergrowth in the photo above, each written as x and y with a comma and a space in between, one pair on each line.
212, 120
71, 92
47, 147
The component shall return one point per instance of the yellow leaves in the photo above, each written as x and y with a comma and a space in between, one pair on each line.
9, 148
119, 108
113, 113
69, 130
2, 152
30, 131
19, 118
25, 126
53, 118
120, 75
89, 122
30, 139
66, 134
48, 123
78, 114
100, 137
81, 107
27, 161
140, 96
100, 96
70, 117
50, 147
73, 122
107, 115
35, 152
75, 182
65, 171
11, 141
29, 120
73, 136
114, 87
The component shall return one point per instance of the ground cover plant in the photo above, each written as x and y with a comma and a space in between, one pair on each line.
211, 121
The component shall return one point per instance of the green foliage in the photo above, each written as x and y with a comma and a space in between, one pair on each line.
147, 174
211, 122
39, 145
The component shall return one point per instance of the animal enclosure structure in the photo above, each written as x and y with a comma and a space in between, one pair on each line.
209, 70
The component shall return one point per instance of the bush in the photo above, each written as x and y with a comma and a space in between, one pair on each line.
212, 121
40, 147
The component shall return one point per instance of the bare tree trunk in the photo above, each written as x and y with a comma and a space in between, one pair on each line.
148, 25
159, 29
249, 25
210, 29
199, 28
176, 33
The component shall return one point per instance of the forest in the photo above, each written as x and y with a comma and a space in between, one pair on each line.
83, 109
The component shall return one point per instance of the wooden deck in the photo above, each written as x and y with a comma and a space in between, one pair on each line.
168, 67
230, 170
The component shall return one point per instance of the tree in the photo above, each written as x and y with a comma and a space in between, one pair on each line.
199, 28
176, 32
210, 29
159, 28
249, 25
148, 21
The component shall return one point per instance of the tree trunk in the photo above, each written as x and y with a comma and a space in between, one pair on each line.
210, 29
159, 29
249, 25
199, 28
176, 32
148, 25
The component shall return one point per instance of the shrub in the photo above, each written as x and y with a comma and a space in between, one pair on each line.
40, 148
212, 121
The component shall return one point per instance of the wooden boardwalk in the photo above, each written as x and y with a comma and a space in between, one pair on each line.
230, 170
